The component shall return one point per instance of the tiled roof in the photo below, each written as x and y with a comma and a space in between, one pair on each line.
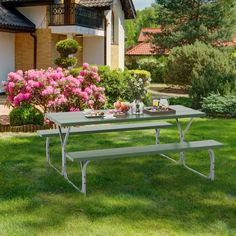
230, 43
145, 48
15, 3
12, 20
127, 6
96, 3
144, 36
142, 49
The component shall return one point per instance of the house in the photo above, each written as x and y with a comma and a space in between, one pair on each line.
144, 46
30, 29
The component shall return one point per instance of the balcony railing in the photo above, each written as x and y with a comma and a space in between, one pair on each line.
75, 14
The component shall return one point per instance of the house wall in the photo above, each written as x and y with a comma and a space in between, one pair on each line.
24, 51
116, 49
36, 14
7, 55
44, 49
93, 50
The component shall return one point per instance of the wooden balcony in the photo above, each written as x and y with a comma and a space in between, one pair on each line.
75, 14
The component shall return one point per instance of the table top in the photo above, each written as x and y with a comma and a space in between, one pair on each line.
77, 118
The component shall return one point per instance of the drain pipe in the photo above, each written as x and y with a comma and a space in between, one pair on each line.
105, 40
34, 36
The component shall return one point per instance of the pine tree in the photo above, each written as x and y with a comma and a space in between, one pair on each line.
187, 21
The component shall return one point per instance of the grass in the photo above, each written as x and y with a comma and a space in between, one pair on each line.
136, 196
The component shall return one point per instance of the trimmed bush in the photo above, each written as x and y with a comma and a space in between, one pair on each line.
26, 115
216, 105
203, 68
66, 48
66, 62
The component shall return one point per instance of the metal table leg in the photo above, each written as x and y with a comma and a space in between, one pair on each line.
182, 135
64, 139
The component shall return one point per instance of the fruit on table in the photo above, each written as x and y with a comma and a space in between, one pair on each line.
122, 106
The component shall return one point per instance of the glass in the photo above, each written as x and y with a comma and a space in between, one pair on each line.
164, 102
155, 102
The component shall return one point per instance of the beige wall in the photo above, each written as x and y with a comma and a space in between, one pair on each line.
79, 54
44, 49
24, 49
115, 56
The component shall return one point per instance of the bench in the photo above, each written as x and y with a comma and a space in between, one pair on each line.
84, 157
101, 129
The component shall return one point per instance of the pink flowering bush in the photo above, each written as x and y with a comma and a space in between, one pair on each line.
56, 89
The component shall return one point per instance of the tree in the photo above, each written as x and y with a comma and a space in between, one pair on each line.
145, 19
187, 21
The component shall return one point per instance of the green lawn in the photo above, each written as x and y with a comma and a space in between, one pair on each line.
137, 196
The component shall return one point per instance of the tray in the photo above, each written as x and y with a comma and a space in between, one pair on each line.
94, 115
148, 110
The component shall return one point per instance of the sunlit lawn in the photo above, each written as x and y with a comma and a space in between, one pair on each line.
130, 196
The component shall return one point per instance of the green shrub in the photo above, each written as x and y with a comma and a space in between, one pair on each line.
26, 115
204, 68
75, 71
217, 105
67, 47
156, 66
184, 101
115, 84
66, 62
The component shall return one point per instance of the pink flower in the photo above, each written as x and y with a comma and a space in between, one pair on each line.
86, 66
88, 90
91, 102
48, 91
95, 69
82, 73
74, 109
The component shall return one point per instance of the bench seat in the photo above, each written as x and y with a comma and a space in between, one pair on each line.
113, 153
105, 128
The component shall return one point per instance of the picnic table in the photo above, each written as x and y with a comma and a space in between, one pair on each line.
68, 123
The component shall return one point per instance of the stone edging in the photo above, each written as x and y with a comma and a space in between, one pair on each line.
24, 128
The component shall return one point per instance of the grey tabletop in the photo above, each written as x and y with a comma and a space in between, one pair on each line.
66, 119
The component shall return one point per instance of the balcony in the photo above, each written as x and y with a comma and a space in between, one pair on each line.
76, 15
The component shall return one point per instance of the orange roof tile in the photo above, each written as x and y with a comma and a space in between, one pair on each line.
141, 49
144, 37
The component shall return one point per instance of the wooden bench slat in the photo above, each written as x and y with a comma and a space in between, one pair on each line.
113, 153
105, 128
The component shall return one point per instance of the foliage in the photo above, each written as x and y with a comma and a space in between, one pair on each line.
155, 66
25, 115
115, 84
55, 90
184, 101
145, 18
138, 81
185, 22
66, 62
204, 68
217, 105
66, 48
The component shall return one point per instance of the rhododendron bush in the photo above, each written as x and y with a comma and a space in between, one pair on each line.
56, 89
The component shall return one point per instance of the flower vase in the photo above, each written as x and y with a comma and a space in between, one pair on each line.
137, 107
